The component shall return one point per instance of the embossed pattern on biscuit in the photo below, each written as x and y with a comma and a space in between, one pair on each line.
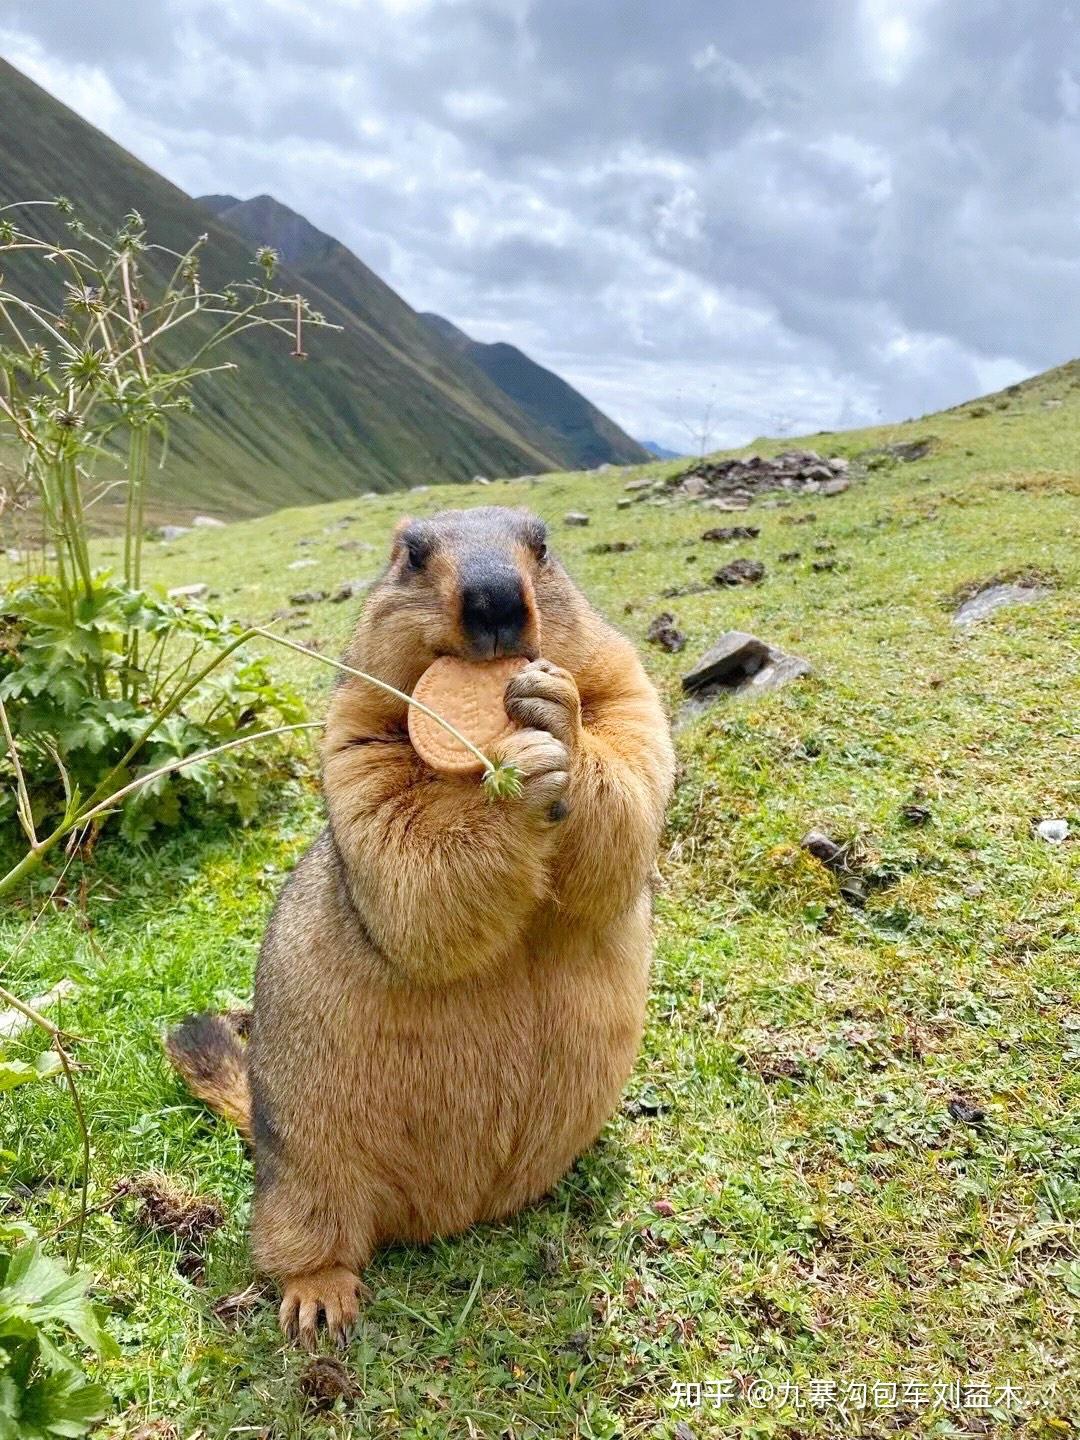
469, 694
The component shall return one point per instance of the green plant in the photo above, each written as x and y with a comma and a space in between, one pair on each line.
76, 704
43, 1391
88, 385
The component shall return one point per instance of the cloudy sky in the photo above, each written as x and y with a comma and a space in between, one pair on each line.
760, 217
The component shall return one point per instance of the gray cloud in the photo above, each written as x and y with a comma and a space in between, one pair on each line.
790, 214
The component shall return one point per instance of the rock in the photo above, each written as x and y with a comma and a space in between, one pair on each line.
787, 556
962, 1109
727, 503
14, 1022
746, 477
905, 450
823, 848
854, 890
916, 814
207, 522
724, 533
189, 592
740, 572
575, 517
167, 533
480, 480
662, 632
821, 566
299, 564
733, 658
418, 489
994, 597
603, 469
349, 590
1054, 832
612, 547
643, 484
738, 664
624, 503
308, 597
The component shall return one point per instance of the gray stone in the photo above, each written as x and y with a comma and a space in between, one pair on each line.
1054, 832
575, 517
173, 532
823, 848
480, 480
642, 484
189, 592
735, 654
308, 597
299, 564
624, 503
207, 522
738, 664
993, 598
349, 590
836, 486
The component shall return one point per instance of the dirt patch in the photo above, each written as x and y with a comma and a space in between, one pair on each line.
166, 1208
324, 1381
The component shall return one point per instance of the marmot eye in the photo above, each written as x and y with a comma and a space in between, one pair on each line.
541, 552
415, 555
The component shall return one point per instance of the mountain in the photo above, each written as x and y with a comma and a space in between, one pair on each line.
558, 419
381, 405
660, 452
582, 433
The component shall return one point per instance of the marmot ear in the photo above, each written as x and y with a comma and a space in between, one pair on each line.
399, 530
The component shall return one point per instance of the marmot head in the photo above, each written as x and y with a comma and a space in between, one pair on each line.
473, 583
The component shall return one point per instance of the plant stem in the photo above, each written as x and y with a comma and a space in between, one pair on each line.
382, 685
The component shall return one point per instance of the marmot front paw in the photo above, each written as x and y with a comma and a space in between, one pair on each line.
544, 766
330, 1295
545, 697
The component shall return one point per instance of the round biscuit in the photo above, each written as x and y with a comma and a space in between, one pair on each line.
469, 694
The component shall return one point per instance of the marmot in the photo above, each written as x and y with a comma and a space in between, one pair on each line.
451, 990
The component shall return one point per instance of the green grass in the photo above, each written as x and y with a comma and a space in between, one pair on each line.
785, 1195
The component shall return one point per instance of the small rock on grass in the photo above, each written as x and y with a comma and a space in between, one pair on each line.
208, 522
965, 1111
612, 547
723, 533
824, 848
166, 533
662, 631
308, 597
575, 517
979, 606
787, 556
189, 592
740, 572
1054, 832
349, 590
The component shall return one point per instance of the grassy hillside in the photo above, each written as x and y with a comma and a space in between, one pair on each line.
367, 411
570, 423
537, 404
791, 1191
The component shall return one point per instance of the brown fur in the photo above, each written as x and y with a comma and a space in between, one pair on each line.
451, 991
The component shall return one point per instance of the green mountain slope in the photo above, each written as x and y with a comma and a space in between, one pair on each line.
543, 407
568, 420
371, 409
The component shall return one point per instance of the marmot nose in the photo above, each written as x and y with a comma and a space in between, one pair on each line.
494, 613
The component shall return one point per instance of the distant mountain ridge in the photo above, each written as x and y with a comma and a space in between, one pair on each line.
562, 413
381, 404
563, 422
